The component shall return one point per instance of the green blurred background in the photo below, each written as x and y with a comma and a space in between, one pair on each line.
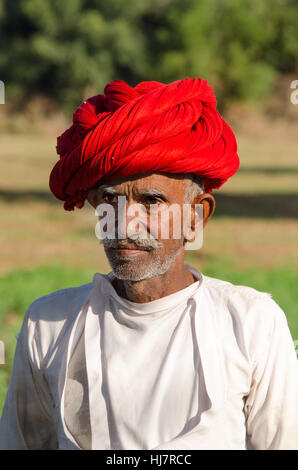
56, 54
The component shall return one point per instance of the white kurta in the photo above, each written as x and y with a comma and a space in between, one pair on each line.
212, 366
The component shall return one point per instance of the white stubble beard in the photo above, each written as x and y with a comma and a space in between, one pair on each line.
132, 270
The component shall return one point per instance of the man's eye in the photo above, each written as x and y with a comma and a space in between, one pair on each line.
109, 198
152, 200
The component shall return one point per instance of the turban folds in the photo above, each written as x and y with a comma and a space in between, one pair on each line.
152, 127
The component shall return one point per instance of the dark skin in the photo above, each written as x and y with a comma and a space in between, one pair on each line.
172, 191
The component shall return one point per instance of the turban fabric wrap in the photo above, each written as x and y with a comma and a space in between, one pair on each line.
152, 127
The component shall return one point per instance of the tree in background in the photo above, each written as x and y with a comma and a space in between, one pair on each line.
69, 50
239, 45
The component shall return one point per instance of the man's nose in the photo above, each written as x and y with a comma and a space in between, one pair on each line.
131, 219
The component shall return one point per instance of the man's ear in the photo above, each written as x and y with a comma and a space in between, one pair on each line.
208, 202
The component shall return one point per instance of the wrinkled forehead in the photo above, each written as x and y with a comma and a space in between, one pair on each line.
169, 185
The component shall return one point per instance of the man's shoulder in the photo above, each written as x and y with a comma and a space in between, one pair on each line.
222, 290
59, 305
252, 316
228, 290
243, 302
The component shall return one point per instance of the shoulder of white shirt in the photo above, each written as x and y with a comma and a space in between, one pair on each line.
247, 304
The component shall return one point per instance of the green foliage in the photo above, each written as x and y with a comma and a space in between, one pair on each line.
70, 50
19, 288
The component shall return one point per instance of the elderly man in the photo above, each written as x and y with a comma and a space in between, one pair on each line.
154, 355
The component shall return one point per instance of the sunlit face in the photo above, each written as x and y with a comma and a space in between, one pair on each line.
143, 251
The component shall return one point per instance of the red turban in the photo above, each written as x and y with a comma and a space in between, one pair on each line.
152, 127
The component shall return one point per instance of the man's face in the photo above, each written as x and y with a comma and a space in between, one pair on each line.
151, 235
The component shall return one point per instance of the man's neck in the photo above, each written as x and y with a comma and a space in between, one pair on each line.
178, 277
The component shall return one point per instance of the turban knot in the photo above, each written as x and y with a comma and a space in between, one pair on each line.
152, 127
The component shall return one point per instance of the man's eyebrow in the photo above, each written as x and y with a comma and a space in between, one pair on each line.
107, 188
153, 193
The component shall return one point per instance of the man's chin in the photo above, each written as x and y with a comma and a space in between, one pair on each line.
139, 266
132, 277
130, 269
133, 270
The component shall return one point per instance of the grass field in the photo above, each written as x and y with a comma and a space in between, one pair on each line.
252, 238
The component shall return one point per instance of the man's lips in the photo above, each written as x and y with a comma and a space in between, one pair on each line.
128, 249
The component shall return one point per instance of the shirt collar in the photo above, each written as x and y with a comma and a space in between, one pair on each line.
104, 282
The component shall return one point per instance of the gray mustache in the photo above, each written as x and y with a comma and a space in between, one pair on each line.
145, 243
